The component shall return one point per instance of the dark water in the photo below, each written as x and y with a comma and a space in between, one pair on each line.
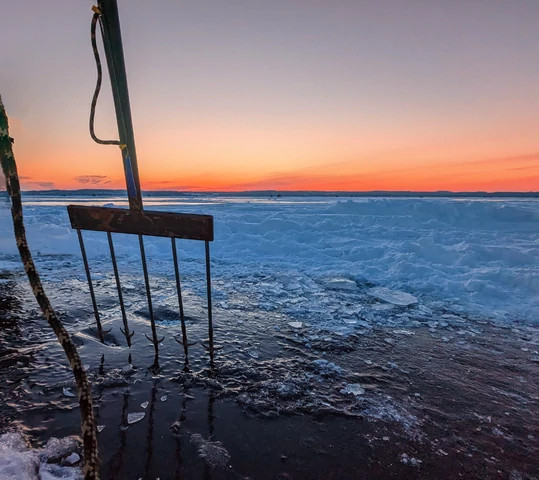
447, 399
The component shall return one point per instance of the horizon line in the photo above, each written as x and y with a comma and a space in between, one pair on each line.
286, 191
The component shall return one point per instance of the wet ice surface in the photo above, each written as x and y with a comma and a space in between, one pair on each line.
317, 377
428, 396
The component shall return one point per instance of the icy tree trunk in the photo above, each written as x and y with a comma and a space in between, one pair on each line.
88, 426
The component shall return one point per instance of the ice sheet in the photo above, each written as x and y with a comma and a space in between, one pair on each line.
479, 256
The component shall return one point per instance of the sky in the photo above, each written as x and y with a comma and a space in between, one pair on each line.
231, 95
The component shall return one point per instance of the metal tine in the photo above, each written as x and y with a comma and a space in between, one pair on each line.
90, 285
127, 335
210, 316
183, 341
125, 330
151, 340
154, 338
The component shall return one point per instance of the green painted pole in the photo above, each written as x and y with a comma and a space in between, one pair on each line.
118, 78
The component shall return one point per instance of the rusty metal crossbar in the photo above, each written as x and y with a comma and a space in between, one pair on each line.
146, 223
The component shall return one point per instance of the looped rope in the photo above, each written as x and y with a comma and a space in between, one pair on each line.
97, 18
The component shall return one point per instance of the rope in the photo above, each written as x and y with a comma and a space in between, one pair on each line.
95, 18
88, 426
132, 190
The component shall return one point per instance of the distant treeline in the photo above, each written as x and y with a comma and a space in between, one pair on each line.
276, 193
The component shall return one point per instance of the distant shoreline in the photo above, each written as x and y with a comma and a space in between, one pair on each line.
286, 193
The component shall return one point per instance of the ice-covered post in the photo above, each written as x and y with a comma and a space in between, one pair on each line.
88, 426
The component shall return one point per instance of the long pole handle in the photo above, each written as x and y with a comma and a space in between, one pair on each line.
112, 40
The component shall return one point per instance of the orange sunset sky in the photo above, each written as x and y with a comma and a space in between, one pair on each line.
285, 95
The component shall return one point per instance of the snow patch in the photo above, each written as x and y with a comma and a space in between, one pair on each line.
19, 462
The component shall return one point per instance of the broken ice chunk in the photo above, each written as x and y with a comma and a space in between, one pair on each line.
72, 459
164, 398
414, 462
67, 392
382, 306
327, 368
58, 448
175, 427
135, 417
100, 428
128, 370
296, 324
425, 309
353, 389
144, 404
342, 284
396, 297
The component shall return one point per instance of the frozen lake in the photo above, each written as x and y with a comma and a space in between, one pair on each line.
361, 338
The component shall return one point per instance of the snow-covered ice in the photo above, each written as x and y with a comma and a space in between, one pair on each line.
19, 462
322, 298
476, 256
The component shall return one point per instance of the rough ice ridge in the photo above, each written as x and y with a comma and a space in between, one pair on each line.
480, 255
